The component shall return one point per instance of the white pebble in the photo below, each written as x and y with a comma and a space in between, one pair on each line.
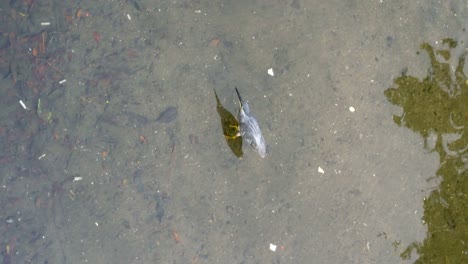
23, 105
270, 72
352, 109
272, 247
320, 170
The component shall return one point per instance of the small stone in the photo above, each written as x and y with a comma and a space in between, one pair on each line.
320, 170
273, 247
271, 72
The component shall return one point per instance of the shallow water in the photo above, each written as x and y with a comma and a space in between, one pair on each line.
95, 181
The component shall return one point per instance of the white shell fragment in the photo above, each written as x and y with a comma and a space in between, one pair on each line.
271, 72
45, 23
63, 81
352, 109
23, 105
320, 170
77, 179
272, 247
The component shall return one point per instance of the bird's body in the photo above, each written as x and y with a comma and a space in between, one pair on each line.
249, 128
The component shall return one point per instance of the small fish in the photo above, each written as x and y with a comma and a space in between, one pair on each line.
249, 129
168, 115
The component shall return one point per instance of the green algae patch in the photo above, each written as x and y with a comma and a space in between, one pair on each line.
437, 107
